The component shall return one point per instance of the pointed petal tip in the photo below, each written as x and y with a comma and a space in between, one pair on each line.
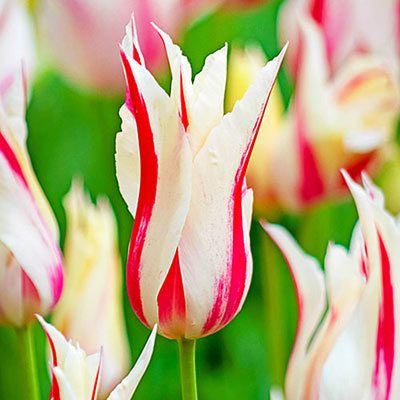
351, 184
41, 320
162, 34
366, 180
345, 175
264, 224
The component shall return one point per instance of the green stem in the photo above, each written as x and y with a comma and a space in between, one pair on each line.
187, 362
28, 362
275, 297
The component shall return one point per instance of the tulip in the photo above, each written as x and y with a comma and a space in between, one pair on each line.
17, 45
31, 273
345, 120
92, 292
358, 26
76, 376
350, 350
180, 166
82, 36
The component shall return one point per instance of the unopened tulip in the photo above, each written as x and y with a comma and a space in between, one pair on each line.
17, 47
181, 168
76, 376
342, 121
351, 350
31, 273
92, 295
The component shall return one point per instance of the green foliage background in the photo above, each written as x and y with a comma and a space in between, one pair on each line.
72, 133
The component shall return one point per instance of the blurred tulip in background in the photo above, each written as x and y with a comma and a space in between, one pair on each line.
82, 36
90, 309
181, 166
31, 271
351, 352
346, 120
347, 27
76, 376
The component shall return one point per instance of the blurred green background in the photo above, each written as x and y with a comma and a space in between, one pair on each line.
73, 133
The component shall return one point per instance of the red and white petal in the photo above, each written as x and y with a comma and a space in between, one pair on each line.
164, 194
381, 236
127, 387
311, 300
348, 369
75, 373
130, 43
58, 345
24, 231
64, 388
13, 128
181, 72
201, 104
215, 260
344, 284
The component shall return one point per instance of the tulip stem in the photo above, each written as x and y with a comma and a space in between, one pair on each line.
28, 362
187, 361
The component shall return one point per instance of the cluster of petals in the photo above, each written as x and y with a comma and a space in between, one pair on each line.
76, 376
347, 339
181, 167
92, 295
342, 117
31, 273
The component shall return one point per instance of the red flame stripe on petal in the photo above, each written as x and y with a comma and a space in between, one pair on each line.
311, 185
183, 113
171, 298
317, 10
147, 192
11, 158
237, 269
386, 331
55, 389
96, 382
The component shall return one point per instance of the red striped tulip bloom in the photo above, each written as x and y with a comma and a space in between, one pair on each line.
351, 351
76, 376
92, 294
181, 169
31, 274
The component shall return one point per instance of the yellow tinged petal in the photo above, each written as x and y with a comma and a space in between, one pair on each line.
92, 293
